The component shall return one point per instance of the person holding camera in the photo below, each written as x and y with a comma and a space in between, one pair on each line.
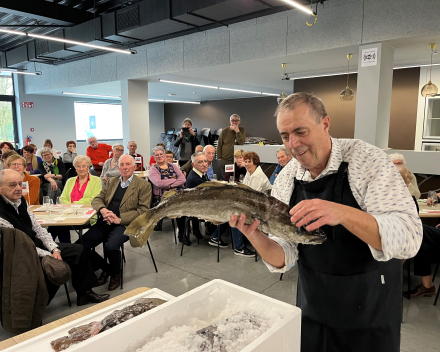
188, 141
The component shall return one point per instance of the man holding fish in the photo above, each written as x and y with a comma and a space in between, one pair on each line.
349, 287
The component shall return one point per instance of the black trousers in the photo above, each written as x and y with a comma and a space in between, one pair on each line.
83, 277
62, 232
113, 237
429, 251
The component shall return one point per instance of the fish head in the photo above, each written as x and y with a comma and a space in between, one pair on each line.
317, 236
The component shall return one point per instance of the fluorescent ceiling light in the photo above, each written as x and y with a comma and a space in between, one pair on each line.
188, 84
74, 42
299, 7
271, 94
22, 72
94, 95
182, 101
240, 90
12, 32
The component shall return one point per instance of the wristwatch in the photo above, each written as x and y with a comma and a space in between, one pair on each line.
56, 250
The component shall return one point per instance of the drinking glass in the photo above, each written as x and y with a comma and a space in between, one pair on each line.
241, 178
58, 204
46, 203
432, 196
214, 177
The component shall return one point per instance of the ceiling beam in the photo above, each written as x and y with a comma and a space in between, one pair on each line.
45, 11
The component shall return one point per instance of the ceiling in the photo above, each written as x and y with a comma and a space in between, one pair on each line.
263, 75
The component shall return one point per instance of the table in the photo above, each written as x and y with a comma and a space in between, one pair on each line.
75, 222
55, 324
143, 174
434, 212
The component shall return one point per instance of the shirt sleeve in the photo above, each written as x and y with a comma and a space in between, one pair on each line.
241, 136
43, 235
384, 195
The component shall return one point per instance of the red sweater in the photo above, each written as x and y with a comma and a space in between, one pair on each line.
99, 155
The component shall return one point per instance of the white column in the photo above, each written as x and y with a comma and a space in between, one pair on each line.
135, 116
373, 100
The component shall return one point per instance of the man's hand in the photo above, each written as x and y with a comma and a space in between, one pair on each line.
181, 133
191, 131
239, 223
48, 176
104, 179
235, 128
53, 185
184, 173
57, 255
101, 164
324, 212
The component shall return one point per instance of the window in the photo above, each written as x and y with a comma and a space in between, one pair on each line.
8, 121
104, 121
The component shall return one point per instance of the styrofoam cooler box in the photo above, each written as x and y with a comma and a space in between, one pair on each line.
204, 303
41, 343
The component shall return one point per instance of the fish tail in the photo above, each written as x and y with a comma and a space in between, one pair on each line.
141, 228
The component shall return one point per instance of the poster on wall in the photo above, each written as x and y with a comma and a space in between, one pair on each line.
369, 57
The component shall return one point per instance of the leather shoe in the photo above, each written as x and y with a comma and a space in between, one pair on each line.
103, 278
115, 282
422, 291
91, 297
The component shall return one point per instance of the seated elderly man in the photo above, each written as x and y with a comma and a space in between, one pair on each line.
214, 167
283, 156
98, 153
15, 213
139, 159
188, 166
121, 201
399, 159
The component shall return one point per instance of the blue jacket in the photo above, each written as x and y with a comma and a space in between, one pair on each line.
277, 171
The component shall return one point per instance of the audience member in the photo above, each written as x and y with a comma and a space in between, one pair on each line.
138, 159
53, 171
32, 160
429, 251
98, 153
152, 159
77, 190
214, 167
110, 168
188, 166
4, 158
399, 159
15, 213
33, 146
121, 201
188, 142
239, 169
165, 177
70, 154
47, 144
283, 156
230, 136
169, 156
32, 192
5, 146
255, 177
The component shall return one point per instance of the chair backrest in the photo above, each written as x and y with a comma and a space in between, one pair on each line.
66, 177
162, 137
207, 137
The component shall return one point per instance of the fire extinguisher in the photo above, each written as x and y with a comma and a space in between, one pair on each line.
28, 140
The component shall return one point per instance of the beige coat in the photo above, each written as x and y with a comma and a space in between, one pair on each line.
136, 200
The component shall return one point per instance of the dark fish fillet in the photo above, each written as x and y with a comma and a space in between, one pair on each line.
216, 202
76, 335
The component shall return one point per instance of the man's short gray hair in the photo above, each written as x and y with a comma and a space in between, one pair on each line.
3, 174
195, 155
208, 146
117, 145
155, 149
46, 150
283, 149
88, 139
187, 120
397, 156
126, 156
132, 142
234, 115
82, 159
316, 106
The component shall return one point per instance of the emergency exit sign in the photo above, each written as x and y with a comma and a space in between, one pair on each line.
27, 104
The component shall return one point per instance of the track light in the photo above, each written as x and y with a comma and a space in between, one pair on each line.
22, 72
173, 101
299, 7
188, 84
240, 90
12, 32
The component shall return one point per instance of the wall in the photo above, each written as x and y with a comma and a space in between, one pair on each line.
156, 123
257, 113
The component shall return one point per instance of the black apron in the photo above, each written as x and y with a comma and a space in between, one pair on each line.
349, 300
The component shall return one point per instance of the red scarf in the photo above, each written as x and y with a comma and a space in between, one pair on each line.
78, 193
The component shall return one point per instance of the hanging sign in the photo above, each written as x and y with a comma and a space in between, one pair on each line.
137, 160
369, 57
58, 152
229, 168
25, 187
27, 104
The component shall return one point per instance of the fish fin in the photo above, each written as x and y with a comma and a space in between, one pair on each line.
168, 194
140, 229
215, 222
222, 184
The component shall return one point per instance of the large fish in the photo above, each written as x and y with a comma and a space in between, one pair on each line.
216, 202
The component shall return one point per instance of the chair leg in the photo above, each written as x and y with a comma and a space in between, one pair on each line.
408, 265
436, 297
122, 266
218, 247
174, 229
435, 271
152, 258
68, 296
281, 276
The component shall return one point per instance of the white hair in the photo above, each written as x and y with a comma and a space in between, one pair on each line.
132, 142
234, 115
80, 159
195, 155
283, 149
156, 148
208, 146
397, 156
88, 139
117, 145
46, 150
125, 156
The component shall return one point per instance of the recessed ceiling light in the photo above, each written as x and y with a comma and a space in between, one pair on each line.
188, 84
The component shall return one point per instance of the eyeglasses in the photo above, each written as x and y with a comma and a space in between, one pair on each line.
158, 155
16, 165
81, 167
119, 150
234, 120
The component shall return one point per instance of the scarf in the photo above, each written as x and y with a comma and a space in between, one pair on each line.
34, 163
51, 168
21, 220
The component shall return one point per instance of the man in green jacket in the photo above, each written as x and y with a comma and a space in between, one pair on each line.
230, 136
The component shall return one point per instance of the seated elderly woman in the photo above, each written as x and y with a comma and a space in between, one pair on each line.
53, 171
255, 177
70, 154
164, 177
399, 159
77, 190
110, 168
4, 147
32, 160
5, 157
47, 144
32, 192
239, 170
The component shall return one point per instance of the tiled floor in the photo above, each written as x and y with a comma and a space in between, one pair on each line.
177, 275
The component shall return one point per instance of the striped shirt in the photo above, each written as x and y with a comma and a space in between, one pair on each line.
377, 187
